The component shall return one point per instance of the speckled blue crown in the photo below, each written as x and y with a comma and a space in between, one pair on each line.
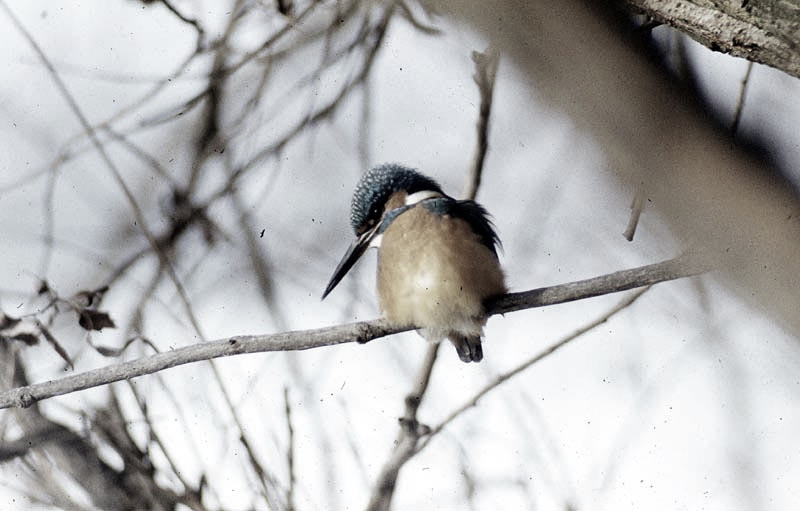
375, 188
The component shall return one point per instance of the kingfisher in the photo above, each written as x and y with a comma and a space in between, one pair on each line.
437, 256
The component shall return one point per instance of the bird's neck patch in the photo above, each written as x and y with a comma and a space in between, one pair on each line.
420, 196
389, 217
408, 201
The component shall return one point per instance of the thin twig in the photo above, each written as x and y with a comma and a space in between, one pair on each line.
418, 25
377, 34
268, 482
737, 115
290, 451
485, 72
637, 206
155, 438
189, 21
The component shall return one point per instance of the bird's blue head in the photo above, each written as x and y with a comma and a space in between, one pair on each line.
377, 186
367, 210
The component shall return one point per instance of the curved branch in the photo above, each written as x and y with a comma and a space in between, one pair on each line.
363, 331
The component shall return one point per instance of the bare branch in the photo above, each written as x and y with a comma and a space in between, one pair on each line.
363, 331
485, 72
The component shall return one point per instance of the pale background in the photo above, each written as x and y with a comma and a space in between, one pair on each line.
687, 400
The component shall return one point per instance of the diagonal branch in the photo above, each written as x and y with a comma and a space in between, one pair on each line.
680, 267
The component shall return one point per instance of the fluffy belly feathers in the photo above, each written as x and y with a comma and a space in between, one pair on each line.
434, 273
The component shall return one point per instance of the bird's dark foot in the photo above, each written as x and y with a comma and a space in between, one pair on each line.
468, 348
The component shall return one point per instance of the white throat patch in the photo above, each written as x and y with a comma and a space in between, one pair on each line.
421, 196
412, 199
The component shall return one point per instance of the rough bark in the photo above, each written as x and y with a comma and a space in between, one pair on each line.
763, 31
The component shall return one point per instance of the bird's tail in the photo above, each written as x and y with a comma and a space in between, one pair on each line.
468, 347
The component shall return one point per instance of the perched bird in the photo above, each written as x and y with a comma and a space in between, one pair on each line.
437, 256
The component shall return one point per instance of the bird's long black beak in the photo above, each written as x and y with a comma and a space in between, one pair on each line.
356, 249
